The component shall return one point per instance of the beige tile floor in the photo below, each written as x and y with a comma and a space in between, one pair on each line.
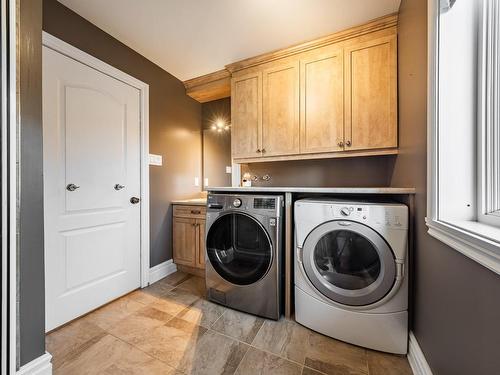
169, 328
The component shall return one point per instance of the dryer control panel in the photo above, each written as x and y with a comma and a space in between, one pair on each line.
387, 215
351, 212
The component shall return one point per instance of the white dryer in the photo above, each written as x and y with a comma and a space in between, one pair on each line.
351, 279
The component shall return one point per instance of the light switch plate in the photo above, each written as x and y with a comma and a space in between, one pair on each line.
155, 159
196, 181
228, 170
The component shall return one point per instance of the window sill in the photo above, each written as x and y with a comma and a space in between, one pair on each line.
477, 241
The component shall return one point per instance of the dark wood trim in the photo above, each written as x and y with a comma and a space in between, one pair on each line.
209, 87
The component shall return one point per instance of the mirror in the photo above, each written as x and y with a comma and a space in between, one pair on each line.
216, 121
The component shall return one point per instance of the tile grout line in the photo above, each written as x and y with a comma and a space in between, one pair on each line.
241, 361
216, 320
262, 350
142, 351
257, 333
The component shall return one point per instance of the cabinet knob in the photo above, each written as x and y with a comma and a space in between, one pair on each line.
348, 143
263, 150
258, 150
340, 144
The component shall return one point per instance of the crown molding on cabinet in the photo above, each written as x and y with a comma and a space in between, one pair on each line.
213, 86
377, 24
217, 85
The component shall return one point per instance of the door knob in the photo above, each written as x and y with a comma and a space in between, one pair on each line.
119, 187
134, 200
72, 187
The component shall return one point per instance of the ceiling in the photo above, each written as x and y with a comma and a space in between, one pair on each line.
189, 38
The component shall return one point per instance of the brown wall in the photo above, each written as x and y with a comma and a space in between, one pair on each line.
345, 172
456, 301
31, 296
216, 146
174, 119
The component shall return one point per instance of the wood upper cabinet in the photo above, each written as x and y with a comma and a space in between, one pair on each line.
246, 113
371, 94
333, 97
322, 102
280, 110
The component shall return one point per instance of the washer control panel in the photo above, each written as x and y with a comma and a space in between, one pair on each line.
369, 213
353, 212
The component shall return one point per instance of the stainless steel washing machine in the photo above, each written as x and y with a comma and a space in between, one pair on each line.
244, 247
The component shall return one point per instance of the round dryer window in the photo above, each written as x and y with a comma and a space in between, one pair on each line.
349, 263
239, 248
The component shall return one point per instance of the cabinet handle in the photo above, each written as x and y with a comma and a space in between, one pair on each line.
348, 143
340, 144
196, 212
72, 187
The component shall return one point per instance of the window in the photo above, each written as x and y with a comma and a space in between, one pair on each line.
464, 127
489, 115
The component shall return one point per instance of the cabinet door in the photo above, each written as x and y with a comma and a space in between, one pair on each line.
322, 102
200, 256
246, 115
184, 241
280, 110
371, 94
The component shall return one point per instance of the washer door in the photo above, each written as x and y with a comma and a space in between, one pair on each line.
239, 248
349, 263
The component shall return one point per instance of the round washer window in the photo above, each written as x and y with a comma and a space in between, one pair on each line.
347, 260
349, 263
239, 248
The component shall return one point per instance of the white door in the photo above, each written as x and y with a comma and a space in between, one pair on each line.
91, 138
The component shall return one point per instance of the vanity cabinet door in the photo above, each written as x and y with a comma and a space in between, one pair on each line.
200, 248
184, 241
280, 110
371, 94
322, 102
246, 115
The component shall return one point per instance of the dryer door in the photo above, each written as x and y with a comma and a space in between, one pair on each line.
349, 263
239, 248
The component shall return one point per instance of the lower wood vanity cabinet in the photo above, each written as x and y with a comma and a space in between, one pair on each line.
188, 234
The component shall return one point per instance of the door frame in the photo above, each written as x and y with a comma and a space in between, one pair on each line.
9, 187
74, 53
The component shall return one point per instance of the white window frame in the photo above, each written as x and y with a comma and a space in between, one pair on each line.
488, 116
475, 239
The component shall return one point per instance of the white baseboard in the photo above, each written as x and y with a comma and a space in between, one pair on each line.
39, 366
161, 270
416, 357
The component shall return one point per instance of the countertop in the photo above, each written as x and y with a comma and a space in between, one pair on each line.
192, 202
331, 190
